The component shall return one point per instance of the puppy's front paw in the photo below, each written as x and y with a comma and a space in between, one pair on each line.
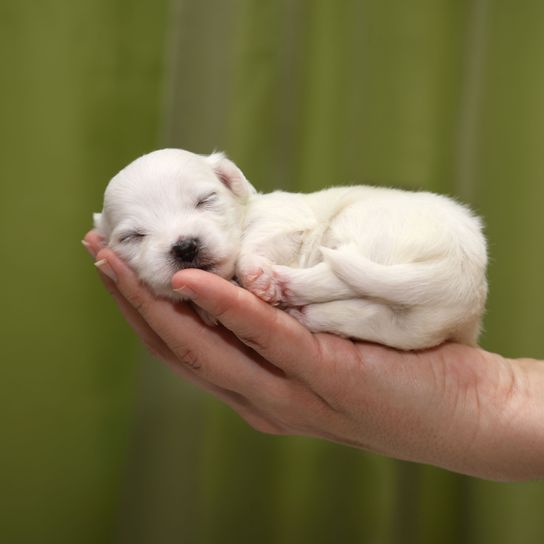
257, 275
287, 284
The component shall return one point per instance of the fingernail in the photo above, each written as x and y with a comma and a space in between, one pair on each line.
105, 268
185, 292
87, 246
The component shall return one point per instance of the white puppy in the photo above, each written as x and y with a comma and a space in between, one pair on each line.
404, 269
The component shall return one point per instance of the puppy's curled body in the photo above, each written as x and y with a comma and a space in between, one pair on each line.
404, 269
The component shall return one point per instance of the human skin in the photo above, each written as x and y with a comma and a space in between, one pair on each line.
456, 407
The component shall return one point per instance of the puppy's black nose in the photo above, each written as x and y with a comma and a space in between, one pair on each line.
185, 250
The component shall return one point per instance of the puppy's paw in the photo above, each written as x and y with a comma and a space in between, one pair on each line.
257, 275
286, 279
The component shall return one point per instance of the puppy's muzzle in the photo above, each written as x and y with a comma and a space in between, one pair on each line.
185, 251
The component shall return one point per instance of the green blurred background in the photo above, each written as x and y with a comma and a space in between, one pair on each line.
100, 444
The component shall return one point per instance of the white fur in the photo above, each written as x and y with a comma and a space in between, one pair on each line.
404, 269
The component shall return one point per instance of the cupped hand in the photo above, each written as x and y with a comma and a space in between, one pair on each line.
453, 406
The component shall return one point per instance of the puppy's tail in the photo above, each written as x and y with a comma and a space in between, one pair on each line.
403, 284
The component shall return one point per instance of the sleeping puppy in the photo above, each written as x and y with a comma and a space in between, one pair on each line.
404, 269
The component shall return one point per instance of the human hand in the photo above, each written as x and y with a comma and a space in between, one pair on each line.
453, 406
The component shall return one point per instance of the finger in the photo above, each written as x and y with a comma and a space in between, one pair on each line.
160, 350
272, 333
208, 352
93, 242
147, 335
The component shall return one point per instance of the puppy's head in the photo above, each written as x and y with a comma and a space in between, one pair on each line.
172, 209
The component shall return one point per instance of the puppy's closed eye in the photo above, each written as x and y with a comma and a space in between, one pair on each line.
206, 200
133, 236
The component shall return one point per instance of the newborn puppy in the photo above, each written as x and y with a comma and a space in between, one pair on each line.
404, 269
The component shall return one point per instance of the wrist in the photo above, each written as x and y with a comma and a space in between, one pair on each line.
523, 420
509, 444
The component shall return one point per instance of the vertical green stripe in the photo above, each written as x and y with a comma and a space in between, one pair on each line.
79, 98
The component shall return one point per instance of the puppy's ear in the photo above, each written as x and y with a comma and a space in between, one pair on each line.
231, 176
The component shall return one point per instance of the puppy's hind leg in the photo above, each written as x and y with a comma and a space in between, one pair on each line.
362, 319
319, 283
